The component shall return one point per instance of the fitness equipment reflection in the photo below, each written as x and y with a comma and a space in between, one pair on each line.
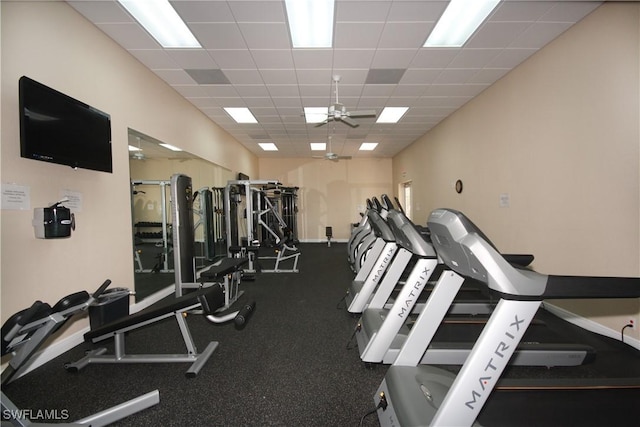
266, 205
156, 232
25, 332
226, 271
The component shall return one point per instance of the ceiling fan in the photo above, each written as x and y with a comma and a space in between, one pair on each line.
338, 112
138, 155
330, 155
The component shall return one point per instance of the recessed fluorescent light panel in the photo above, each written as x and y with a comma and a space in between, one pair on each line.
161, 20
315, 114
170, 147
368, 146
310, 22
459, 21
268, 146
318, 146
391, 114
241, 114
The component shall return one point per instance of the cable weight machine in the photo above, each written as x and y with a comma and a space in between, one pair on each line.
266, 205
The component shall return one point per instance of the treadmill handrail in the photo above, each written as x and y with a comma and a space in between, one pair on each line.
464, 248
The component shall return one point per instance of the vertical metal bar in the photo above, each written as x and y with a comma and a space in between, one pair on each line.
486, 362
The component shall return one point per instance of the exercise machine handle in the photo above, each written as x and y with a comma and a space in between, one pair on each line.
244, 314
102, 288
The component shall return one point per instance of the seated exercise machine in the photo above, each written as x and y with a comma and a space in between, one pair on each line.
423, 395
381, 332
226, 271
207, 299
25, 332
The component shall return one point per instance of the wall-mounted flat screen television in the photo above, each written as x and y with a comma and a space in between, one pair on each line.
59, 129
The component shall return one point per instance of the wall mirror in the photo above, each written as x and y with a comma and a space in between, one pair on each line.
151, 166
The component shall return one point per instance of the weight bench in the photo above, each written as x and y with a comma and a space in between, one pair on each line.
207, 299
227, 272
25, 332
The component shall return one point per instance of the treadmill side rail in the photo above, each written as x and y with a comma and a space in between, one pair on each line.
486, 362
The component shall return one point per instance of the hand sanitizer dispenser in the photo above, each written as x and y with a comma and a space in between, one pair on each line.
53, 222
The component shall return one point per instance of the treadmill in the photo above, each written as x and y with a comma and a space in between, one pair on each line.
381, 333
423, 395
379, 281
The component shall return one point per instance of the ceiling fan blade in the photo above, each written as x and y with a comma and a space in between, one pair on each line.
347, 120
363, 113
344, 157
322, 123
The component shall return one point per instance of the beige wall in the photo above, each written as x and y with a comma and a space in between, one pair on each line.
561, 135
51, 43
331, 193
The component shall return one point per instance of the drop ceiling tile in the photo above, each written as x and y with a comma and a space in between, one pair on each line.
252, 90
306, 77
155, 58
539, 34
258, 102
192, 58
474, 58
175, 77
361, 11
217, 35
102, 11
283, 90
522, 11
393, 58
488, 76
570, 11
238, 59
129, 35
272, 58
497, 34
312, 58
433, 58
353, 58
279, 76
510, 58
408, 90
404, 35
258, 11
357, 35
203, 11
423, 11
265, 35
455, 90
420, 76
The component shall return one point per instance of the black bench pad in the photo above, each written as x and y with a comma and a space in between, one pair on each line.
214, 296
222, 268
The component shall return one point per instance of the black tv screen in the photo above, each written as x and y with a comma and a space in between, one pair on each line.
59, 129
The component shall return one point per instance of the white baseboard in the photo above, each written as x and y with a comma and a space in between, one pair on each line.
590, 325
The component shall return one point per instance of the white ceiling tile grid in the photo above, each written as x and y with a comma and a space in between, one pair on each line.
247, 60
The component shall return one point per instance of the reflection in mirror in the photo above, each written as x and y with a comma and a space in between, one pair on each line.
151, 167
